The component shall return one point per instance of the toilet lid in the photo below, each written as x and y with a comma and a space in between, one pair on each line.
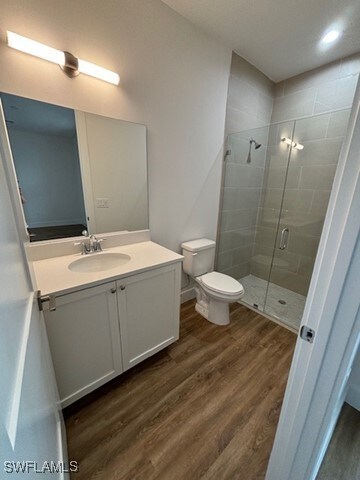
218, 282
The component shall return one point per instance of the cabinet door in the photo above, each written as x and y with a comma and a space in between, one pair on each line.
84, 340
148, 312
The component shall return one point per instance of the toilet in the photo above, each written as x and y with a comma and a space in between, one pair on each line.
214, 290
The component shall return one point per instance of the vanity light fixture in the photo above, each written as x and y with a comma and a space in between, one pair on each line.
70, 65
288, 141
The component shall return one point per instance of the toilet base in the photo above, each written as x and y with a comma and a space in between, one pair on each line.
214, 311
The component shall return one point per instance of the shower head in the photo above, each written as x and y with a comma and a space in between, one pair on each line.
257, 145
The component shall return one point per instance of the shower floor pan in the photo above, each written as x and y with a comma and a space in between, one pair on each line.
281, 303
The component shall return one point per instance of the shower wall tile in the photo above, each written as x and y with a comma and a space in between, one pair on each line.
224, 260
315, 78
273, 198
249, 106
240, 199
292, 281
243, 176
312, 128
265, 236
319, 152
238, 219
250, 74
264, 107
304, 245
350, 65
234, 239
259, 270
242, 96
335, 95
298, 200
306, 266
320, 202
294, 105
317, 177
237, 271
237, 120
338, 123
242, 254
323, 90
277, 175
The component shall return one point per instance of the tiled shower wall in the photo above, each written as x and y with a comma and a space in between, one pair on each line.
249, 105
311, 171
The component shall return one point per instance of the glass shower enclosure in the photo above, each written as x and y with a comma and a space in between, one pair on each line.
276, 187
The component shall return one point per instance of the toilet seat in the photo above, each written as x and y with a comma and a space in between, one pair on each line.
220, 283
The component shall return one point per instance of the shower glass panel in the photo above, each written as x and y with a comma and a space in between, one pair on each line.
274, 203
249, 214
310, 175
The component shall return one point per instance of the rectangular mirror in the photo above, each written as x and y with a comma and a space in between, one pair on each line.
76, 170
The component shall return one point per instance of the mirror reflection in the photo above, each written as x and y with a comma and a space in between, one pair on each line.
76, 171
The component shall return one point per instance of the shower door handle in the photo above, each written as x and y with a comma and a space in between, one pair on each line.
284, 238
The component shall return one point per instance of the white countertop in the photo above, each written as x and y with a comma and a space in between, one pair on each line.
53, 275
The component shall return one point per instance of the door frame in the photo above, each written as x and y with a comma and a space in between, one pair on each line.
319, 372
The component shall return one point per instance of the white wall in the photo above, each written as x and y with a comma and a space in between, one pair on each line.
173, 79
48, 170
353, 396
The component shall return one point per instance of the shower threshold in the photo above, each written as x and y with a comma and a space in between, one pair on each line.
282, 304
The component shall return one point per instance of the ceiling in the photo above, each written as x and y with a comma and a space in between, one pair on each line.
38, 117
279, 37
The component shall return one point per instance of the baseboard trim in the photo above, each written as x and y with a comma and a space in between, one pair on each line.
187, 294
353, 396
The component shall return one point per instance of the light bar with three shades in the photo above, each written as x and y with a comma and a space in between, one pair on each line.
288, 141
71, 65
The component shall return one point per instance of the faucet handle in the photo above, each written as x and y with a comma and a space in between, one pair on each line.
98, 246
85, 233
84, 248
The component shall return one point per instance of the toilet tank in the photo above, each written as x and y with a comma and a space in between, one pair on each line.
199, 256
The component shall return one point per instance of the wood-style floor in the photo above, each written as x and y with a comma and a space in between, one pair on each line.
205, 408
342, 459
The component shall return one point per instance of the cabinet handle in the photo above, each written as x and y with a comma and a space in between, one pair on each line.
122, 287
113, 290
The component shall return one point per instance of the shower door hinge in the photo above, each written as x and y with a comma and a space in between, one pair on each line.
307, 334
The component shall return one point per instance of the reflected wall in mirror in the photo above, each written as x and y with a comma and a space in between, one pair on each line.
76, 170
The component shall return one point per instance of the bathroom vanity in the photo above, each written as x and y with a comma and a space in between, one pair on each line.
106, 312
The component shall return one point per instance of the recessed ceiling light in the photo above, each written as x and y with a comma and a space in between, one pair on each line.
331, 36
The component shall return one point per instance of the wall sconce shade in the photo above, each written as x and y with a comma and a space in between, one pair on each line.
70, 65
288, 141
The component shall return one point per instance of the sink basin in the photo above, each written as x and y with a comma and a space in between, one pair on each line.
98, 262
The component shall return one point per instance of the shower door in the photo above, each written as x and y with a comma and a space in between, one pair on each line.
274, 202
253, 186
312, 161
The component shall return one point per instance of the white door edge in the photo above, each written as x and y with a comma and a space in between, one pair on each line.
291, 458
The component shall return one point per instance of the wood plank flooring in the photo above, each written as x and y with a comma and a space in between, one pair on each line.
204, 408
342, 459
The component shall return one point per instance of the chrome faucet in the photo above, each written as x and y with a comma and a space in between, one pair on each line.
92, 245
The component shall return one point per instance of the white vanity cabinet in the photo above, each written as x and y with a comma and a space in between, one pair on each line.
148, 312
84, 340
97, 333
